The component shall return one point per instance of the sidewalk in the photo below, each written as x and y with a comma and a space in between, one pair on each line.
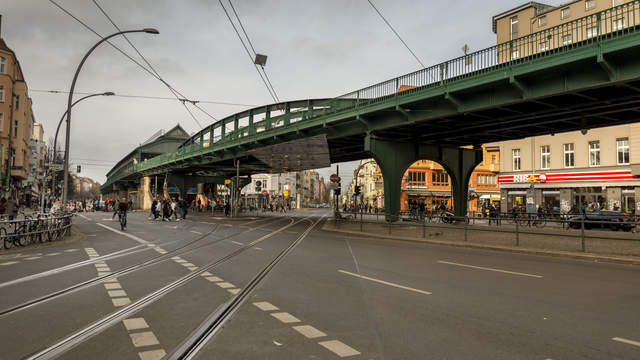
621, 248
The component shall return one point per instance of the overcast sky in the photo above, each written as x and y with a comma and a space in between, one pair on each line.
316, 48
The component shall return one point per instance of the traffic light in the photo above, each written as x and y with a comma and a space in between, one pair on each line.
79, 168
357, 190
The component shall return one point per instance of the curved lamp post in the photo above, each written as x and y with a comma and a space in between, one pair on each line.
55, 139
70, 102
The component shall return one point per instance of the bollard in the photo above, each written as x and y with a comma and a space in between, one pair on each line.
517, 233
582, 234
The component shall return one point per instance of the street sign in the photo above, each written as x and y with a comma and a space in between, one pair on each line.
227, 181
334, 178
285, 193
265, 192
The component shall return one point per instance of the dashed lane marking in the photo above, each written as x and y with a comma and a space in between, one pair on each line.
213, 278
116, 293
34, 258
225, 285
135, 324
71, 250
626, 341
195, 232
146, 338
152, 354
386, 283
8, 263
132, 237
490, 269
265, 306
285, 317
309, 331
53, 254
237, 243
118, 302
111, 286
339, 348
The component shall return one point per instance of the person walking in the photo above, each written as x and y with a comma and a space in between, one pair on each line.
158, 210
153, 209
115, 209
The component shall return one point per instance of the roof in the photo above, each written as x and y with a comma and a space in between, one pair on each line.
538, 6
3, 45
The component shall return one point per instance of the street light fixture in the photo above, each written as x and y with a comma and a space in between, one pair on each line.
55, 139
70, 101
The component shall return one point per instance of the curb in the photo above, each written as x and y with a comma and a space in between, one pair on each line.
529, 251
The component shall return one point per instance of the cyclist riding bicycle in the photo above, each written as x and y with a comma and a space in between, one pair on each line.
122, 213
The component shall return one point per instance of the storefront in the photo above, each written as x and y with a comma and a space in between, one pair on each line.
613, 190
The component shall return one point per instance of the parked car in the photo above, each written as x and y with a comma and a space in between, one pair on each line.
601, 219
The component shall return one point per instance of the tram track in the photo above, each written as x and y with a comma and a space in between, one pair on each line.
125, 271
99, 326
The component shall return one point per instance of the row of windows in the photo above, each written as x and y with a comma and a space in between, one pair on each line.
487, 179
622, 146
3, 64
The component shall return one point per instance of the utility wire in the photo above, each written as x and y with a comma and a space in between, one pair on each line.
173, 91
254, 50
275, 98
145, 97
395, 32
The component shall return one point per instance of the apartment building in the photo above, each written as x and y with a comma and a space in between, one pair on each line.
36, 177
16, 120
599, 168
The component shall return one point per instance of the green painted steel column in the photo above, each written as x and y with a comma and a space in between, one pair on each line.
393, 158
287, 114
267, 118
252, 129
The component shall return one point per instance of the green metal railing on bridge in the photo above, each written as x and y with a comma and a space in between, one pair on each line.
614, 23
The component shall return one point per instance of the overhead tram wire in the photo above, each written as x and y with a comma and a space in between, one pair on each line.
275, 98
108, 42
395, 32
145, 97
173, 91
252, 49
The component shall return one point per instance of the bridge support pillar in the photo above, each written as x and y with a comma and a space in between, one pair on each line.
394, 158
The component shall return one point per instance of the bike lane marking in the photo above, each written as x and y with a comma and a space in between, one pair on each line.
139, 339
490, 269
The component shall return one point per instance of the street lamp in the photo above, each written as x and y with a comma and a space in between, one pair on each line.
55, 139
70, 100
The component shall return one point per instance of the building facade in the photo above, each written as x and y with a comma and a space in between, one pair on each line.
16, 121
266, 189
36, 181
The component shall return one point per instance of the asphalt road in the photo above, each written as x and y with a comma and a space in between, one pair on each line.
332, 297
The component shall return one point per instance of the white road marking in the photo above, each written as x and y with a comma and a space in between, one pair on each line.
339, 348
285, 317
196, 232
490, 269
135, 324
53, 254
206, 273
386, 283
117, 302
187, 264
9, 263
237, 243
132, 237
233, 291
152, 354
102, 273
213, 278
192, 268
71, 250
258, 248
84, 217
309, 331
225, 285
176, 258
116, 293
161, 251
146, 338
180, 261
626, 341
265, 306
34, 258
92, 235
112, 286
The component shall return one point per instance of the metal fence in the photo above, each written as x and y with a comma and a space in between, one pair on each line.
567, 232
37, 228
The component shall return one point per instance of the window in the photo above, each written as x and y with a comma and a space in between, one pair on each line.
515, 54
569, 157
1, 122
565, 13
618, 24
516, 159
514, 27
1, 93
590, 4
545, 157
416, 177
15, 128
623, 151
487, 179
439, 178
17, 102
494, 159
592, 32
544, 46
542, 21
594, 153
567, 39
3, 63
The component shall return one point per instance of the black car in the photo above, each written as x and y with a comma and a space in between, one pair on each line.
601, 219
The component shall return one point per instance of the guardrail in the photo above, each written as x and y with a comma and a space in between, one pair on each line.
38, 228
566, 227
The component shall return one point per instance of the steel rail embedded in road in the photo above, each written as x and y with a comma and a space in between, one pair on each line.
215, 322
121, 272
99, 326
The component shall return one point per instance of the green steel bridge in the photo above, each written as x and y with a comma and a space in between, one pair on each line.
534, 85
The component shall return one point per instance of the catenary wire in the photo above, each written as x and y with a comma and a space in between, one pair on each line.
252, 49
395, 32
248, 52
